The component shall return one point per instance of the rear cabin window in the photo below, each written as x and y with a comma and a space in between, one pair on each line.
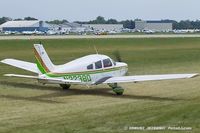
98, 65
107, 63
89, 67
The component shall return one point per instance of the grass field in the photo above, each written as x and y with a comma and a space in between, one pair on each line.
26, 106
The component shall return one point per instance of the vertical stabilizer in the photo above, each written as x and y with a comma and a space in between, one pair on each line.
43, 61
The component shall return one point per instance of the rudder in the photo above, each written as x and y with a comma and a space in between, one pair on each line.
43, 61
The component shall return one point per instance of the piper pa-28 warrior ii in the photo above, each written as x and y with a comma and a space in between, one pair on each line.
92, 69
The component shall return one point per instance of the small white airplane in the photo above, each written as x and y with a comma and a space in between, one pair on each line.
92, 69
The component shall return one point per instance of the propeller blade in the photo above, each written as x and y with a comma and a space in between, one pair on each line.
117, 56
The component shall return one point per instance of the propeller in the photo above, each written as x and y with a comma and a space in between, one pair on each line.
117, 56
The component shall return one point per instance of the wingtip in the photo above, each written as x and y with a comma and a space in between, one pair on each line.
35, 45
4, 60
193, 75
8, 75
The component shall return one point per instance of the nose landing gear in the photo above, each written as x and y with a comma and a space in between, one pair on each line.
117, 89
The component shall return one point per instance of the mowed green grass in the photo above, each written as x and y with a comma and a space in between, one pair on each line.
26, 106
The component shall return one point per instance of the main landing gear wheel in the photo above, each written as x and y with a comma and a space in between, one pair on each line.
65, 86
117, 89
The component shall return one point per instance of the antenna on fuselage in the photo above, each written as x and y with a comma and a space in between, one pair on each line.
96, 49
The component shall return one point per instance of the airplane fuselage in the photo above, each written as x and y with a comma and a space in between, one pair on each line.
90, 77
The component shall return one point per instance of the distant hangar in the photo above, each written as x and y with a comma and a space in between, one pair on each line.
105, 27
159, 26
20, 26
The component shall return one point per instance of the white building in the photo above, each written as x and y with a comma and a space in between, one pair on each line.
24, 25
83, 28
153, 25
105, 27
75, 27
53, 27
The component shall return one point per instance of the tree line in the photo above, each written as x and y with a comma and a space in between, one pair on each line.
130, 24
5, 19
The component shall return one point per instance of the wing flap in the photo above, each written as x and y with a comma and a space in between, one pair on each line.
45, 79
125, 79
21, 64
59, 81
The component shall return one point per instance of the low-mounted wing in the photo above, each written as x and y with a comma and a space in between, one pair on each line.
124, 79
46, 79
21, 76
32, 67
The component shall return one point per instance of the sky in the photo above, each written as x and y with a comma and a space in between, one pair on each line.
84, 10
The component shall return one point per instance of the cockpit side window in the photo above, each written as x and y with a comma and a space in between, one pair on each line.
89, 67
98, 65
107, 63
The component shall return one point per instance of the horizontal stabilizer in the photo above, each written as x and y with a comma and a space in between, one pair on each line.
32, 67
21, 76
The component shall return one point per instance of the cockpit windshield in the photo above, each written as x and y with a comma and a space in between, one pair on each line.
107, 63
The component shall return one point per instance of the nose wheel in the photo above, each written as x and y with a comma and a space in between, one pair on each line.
117, 89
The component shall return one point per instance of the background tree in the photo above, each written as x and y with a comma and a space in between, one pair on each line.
30, 18
111, 21
57, 21
4, 19
18, 19
130, 24
98, 20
